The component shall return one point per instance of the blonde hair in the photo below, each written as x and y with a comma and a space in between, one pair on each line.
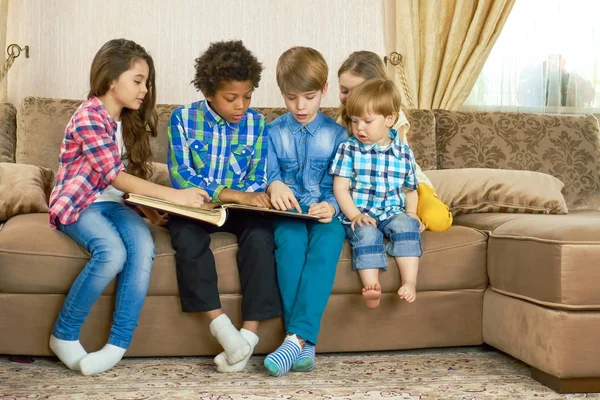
364, 63
301, 68
361, 63
374, 96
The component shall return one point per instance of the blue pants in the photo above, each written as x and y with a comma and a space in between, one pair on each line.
119, 244
306, 253
368, 251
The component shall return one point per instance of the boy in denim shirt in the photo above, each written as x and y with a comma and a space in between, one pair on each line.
302, 143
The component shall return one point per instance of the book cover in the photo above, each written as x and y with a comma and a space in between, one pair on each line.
213, 213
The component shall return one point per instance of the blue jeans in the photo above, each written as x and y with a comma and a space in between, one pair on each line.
368, 251
120, 245
306, 253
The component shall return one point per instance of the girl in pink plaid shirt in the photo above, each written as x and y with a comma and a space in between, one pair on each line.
105, 153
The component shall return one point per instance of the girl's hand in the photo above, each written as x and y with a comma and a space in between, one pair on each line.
258, 199
160, 220
362, 219
282, 197
415, 216
324, 210
193, 197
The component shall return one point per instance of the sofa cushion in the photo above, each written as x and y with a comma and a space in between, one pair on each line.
41, 126
51, 262
472, 190
567, 147
24, 189
8, 129
551, 260
160, 174
46, 118
454, 259
421, 137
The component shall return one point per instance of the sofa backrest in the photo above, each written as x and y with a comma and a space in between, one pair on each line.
567, 147
8, 129
41, 126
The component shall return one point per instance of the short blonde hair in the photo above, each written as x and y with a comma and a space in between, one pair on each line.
303, 69
378, 96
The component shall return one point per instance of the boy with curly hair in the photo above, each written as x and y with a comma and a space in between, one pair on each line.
220, 145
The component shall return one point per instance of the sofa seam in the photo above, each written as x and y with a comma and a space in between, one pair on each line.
540, 240
548, 304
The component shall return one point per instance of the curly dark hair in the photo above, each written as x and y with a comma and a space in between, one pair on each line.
225, 61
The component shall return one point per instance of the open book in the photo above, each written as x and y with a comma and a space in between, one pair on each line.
216, 215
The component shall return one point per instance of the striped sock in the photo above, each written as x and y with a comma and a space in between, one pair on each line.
306, 359
280, 361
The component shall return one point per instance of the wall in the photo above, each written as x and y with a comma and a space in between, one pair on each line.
3, 15
64, 35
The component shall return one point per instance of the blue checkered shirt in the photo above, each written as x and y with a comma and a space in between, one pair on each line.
377, 175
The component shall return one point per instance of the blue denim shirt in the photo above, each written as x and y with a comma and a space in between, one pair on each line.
300, 156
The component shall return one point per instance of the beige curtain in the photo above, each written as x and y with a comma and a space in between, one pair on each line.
444, 45
3, 21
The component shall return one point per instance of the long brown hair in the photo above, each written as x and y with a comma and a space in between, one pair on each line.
115, 57
360, 63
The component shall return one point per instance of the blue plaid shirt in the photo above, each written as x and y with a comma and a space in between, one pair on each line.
208, 152
299, 156
377, 175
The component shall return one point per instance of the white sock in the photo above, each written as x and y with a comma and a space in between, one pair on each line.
101, 360
70, 352
235, 346
221, 359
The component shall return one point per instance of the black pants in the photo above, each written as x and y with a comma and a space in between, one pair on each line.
196, 270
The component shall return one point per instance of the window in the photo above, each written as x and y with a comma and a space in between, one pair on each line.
546, 59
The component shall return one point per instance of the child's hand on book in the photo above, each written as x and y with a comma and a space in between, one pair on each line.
324, 210
193, 197
283, 198
258, 199
362, 219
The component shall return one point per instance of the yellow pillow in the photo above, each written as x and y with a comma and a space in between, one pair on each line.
24, 189
479, 190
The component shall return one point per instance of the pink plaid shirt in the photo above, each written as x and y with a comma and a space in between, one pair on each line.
89, 161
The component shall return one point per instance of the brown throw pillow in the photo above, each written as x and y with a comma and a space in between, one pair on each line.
24, 189
478, 190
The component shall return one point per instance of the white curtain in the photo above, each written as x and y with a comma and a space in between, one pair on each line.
547, 59
3, 21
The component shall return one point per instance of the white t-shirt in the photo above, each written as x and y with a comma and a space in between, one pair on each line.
111, 193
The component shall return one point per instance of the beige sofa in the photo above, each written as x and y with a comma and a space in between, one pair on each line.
526, 284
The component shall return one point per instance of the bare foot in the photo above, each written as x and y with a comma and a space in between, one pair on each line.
372, 295
408, 292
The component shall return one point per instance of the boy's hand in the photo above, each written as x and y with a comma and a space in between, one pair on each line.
324, 210
258, 199
193, 197
282, 197
362, 219
415, 216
